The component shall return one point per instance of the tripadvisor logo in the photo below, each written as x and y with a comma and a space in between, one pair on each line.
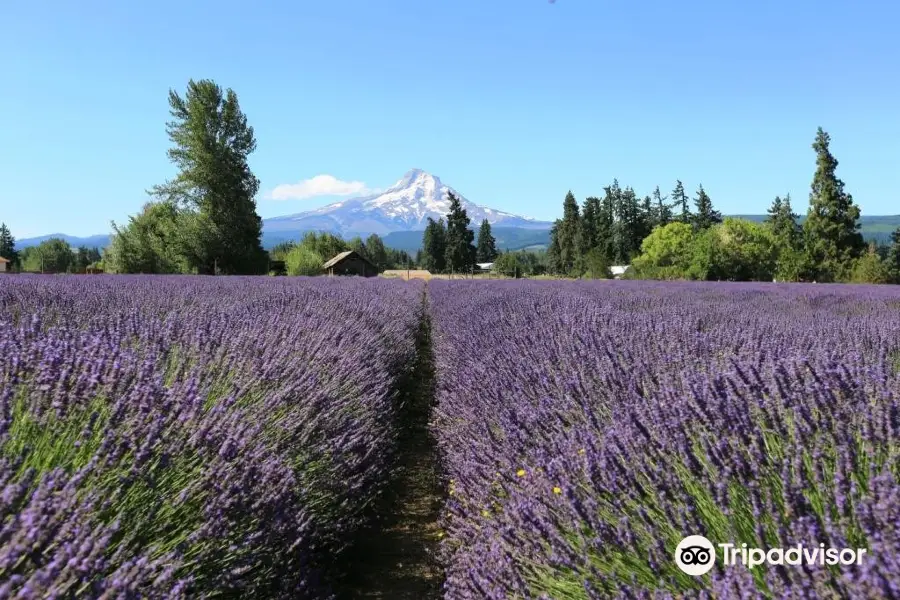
696, 555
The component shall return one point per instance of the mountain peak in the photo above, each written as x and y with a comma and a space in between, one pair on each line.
417, 178
405, 206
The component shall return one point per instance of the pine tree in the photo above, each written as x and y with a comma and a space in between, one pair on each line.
8, 246
893, 257
783, 222
831, 230
554, 259
460, 251
680, 203
434, 247
212, 143
590, 224
569, 234
487, 246
662, 213
706, 216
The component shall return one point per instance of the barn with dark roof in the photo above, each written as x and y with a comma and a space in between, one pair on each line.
350, 263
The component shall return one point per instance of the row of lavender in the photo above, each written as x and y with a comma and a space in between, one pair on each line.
588, 427
173, 437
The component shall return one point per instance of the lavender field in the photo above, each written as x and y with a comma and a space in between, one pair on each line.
587, 428
185, 437
234, 437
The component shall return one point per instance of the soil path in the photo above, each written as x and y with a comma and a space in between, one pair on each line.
398, 559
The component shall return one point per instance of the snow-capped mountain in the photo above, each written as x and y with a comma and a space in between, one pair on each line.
405, 206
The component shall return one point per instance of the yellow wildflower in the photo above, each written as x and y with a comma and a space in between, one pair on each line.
521, 472
557, 490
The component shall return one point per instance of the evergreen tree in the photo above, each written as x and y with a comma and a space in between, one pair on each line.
705, 217
680, 203
590, 224
460, 250
783, 222
357, 245
569, 235
554, 257
831, 229
893, 257
434, 246
487, 246
376, 252
8, 246
212, 142
870, 268
648, 218
662, 213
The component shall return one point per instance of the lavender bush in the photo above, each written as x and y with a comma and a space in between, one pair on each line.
174, 437
587, 427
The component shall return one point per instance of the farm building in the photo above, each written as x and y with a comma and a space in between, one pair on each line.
485, 266
407, 274
350, 263
4, 265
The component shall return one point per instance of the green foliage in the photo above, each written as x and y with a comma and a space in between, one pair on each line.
870, 268
8, 247
520, 264
596, 265
460, 251
50, 256
706, 216
214, 189
151, 242
831, 230
280, 251
681, 204
667, 253
375, 251
434, 247
892, 260
486, 251
743, 251
304, 260
326, 245
568, 235
662, 212
85, 257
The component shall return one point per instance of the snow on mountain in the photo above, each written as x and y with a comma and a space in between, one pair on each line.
405, 206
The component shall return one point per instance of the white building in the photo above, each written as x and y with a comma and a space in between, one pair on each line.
619, 270
485, 266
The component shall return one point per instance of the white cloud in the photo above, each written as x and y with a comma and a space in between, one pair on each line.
320, 185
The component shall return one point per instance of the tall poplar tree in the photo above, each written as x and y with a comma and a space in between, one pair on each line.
212, 143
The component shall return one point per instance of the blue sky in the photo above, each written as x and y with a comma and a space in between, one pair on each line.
512, 102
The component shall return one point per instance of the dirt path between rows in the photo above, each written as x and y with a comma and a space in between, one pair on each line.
398, 560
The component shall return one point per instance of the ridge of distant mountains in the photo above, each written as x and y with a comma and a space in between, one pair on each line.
400, 214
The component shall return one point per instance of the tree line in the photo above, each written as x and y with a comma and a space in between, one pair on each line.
307, 256
677, 237
449, 247
50, 256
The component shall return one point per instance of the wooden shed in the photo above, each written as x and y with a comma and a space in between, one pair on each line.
350, 263
4, 265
